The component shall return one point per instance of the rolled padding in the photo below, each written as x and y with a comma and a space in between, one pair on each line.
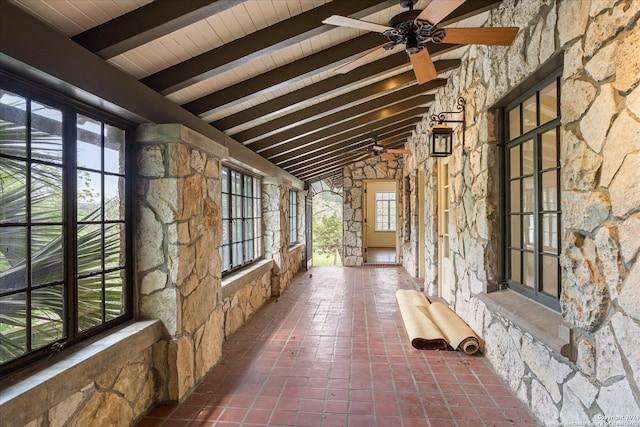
423, 333
434, 326
457, 333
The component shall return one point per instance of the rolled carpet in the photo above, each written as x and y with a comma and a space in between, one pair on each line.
434, 326
423, 333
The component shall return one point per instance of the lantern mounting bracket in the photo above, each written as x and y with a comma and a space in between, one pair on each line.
441, 132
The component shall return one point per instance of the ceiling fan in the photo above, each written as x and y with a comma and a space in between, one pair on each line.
380, 150
412, 28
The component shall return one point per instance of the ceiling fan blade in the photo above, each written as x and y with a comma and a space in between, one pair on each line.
398, 151
423, 66
437, 10
364, 59
387, 156
361, 157
488, 36
343, 21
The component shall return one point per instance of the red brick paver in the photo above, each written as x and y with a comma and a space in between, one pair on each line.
332, 351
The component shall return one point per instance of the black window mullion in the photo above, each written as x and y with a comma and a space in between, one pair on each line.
29, 225
70, 132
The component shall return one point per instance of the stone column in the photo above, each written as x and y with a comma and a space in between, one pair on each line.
177, 259
275, 217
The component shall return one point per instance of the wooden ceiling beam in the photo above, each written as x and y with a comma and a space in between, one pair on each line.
324, 87
146, 23
376, 95
392, 103
365, 130
265, 147
260, 43
312, 159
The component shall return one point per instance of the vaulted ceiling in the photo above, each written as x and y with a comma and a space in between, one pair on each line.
264, 71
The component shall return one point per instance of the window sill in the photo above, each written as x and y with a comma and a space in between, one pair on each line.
295, 247
544, 324
236, 281
50, 382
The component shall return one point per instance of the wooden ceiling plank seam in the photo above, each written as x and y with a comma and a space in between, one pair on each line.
147, 23
322, 88
260, 43
412, 95
282, 76
341, 127
364, 129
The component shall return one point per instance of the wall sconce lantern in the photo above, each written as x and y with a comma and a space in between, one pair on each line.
441, 140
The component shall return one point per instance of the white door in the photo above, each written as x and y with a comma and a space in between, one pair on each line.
445, 265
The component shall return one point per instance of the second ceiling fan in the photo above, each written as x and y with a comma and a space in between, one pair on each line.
412, 28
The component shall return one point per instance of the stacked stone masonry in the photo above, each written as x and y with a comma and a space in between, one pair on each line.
600, 180
372, 168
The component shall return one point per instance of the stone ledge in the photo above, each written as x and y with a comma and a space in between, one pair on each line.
296, 247
542, 323
42, 387
236, 281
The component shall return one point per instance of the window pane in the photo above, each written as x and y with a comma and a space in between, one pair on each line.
89, 196
528, 269
549, 150
89, 248
550, 233
114, 247
529, 121
46, 193
514, 123
225, 206
113, 198
527, 158
514, 161
515, 196
47, 316
89, 302
46, 254
550, 191
89, 150
13, 122
515, 231
13, 258
527, 194
114, 294
46, 133
550, 275
549, 103
226, 226
113, 150
13, 324
13, 190
527, 231
516, 264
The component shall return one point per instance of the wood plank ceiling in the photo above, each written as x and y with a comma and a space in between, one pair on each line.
263, 71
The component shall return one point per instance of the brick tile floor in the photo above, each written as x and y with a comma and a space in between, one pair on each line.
332, 351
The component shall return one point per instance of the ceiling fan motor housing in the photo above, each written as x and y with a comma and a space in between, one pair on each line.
407, 30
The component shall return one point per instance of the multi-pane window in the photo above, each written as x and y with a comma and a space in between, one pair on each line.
533, 194
63, 234
293, 217
385, 211
241, 219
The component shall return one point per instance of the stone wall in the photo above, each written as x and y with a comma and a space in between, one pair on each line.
354, 177
600, 157
178, 237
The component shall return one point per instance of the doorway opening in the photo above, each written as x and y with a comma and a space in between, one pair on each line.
380, 222
324, 214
